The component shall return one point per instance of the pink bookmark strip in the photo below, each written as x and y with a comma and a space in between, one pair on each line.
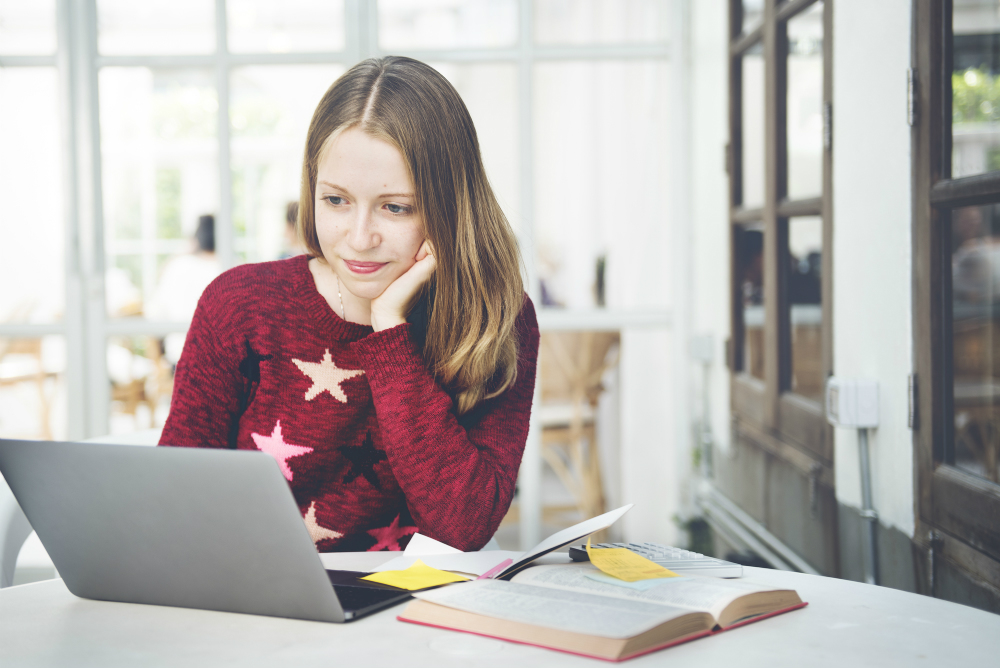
496, 569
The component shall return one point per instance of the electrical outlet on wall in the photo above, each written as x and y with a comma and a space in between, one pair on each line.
852, 402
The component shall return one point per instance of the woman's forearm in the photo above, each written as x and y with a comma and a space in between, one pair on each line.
458, 480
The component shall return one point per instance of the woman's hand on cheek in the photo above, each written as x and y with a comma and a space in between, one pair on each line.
389, 308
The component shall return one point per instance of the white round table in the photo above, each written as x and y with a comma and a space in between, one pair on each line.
845, 624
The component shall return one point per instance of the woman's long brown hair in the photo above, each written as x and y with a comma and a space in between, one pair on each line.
471, 344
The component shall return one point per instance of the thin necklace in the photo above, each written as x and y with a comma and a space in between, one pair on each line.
343, 313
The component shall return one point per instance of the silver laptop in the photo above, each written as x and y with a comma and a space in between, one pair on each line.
185, 527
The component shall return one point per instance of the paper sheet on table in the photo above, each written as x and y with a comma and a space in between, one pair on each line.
565, 537
420, 545
417, 576
626, 565
474, 563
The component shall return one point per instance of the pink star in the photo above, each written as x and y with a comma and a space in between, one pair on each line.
388, 537
275, 446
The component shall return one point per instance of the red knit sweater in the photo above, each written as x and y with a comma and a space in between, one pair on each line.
368, 440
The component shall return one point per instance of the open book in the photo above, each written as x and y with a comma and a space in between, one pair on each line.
561, 607
446, 558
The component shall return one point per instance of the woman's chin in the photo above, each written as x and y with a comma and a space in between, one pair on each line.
367, 290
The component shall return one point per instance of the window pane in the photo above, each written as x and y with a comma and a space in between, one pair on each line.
975, 87
753, 14
753, 128
601, 183
805, 103
265, 26
805, 254
31, 188
27, 28
33, 388
750, 268
155, 26
490, 93
142, 380
975, 234
444, 24
160, 170
269, 113
600, 21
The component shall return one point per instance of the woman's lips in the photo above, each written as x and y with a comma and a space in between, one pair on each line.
364, 267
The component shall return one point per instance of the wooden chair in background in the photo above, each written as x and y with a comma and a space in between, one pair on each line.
35, 373
148, 383
571, 366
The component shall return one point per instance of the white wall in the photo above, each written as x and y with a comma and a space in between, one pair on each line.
649, 476
709, 211
872, 321
655, 443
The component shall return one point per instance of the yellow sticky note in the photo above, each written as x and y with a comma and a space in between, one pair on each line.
626, 565
417, 576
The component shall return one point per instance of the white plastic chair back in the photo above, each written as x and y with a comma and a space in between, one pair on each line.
14, 530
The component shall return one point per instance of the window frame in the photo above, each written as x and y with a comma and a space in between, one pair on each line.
770, 405
85, 325
955, 509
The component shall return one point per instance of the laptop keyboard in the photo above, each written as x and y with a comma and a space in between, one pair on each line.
680, 561
358, 598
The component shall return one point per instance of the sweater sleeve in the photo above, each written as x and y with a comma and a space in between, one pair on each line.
458, 481
204, 406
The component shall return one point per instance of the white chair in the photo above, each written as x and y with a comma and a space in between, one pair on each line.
14, 530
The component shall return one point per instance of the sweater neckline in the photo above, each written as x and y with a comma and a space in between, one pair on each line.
314, 302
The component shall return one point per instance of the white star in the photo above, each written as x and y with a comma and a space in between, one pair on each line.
317, 532
326, 377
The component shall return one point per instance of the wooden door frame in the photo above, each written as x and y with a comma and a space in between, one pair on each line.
952, 507
769, 405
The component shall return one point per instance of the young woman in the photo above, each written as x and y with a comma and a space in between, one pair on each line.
382, 427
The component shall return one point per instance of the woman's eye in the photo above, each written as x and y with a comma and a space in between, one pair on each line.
335, 200
397, 209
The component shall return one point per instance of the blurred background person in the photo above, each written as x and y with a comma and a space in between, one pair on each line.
293, 245
183, 280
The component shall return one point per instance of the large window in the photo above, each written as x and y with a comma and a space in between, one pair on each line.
780, 110
780, 353
33, 249
172, 112
957, 280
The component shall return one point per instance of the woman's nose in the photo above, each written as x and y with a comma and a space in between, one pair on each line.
363, 234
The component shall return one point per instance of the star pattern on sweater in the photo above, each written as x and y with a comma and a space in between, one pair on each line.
363, 459
387, 538
276, 446
250, 365
326, 377
316, 531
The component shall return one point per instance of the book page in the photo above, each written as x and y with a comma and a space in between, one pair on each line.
554, 608
565, 537
703, 594
475, 563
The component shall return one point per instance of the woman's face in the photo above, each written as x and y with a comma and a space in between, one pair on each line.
366, 219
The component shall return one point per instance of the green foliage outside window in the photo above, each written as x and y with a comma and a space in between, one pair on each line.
239, 213
975, 97
168, 203
184, 111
